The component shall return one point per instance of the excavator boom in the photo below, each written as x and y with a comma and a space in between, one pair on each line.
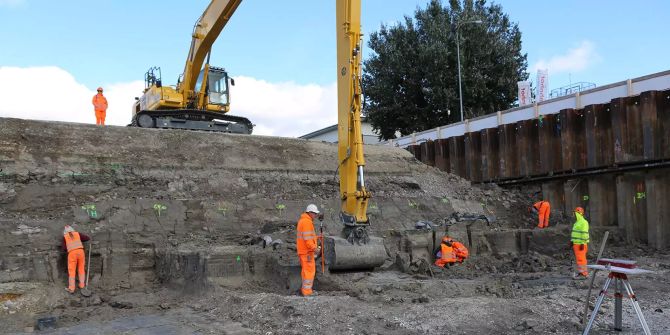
205, 32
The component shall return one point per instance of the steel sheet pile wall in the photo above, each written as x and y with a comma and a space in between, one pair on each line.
599, 145
573, 139
442, 154
490, 154
613, 159
509, 166
473, 156
428, 153
457, 155
550, 143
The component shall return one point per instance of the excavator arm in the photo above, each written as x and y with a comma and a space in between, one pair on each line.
205, 32
355, 249
353, 193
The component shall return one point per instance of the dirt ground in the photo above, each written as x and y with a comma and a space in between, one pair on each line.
178, 219
488, 300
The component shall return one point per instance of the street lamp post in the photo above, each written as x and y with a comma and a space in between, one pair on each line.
458, 58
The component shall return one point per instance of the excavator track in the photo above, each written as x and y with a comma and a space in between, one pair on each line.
193, 119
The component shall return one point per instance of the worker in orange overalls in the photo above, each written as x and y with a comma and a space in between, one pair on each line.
451, 251
307, 246
100, 107
542, 209
72, 243
579, 239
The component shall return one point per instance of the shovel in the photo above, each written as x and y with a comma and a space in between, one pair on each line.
85, 291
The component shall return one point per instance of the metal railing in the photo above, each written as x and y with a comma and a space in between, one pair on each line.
599, 95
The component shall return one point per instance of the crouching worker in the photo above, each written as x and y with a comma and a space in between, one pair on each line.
72, 243
451, 251
542, 209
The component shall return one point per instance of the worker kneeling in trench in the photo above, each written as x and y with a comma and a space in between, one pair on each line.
451, 251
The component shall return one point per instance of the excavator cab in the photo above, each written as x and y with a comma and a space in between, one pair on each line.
217, 89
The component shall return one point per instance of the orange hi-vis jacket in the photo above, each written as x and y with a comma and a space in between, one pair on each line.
457, 252
73, 241
100, 102
448, 255
460, 250
306, 236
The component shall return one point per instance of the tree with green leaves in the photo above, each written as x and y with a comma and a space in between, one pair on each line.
411, 79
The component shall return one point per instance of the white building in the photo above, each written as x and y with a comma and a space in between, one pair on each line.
329, 134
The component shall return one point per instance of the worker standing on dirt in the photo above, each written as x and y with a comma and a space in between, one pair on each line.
100, 107
307, 246
542, 209
72, 243
579, 241
451, 251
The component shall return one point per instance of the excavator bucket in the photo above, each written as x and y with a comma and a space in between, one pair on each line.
342, 255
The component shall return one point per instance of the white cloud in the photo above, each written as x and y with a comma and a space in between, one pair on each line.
11, 3
284, 109
575, 60
51, 93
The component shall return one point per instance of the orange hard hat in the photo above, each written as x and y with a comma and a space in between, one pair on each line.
99, 89
579, 210
447, 239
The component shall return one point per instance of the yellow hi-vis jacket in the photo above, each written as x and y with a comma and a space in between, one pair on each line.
580, 230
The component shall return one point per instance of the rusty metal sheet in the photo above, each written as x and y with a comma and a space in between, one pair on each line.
654, 106
457, 155
428, 153
664, 124
509, 164
473, 156
442, 154
632, 205
522, 146
601, 197
627, 130
657, 187
415, 149
551, 159
599, 144
573, 139
528, 147
490, 154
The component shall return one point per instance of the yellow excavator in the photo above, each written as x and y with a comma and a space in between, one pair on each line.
194, 105
201, 98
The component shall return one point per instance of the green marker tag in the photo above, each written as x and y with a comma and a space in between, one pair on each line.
159, 208
238, 258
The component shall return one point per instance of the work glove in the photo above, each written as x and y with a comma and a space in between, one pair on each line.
581, 247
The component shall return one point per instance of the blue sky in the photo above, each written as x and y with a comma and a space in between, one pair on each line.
284, 51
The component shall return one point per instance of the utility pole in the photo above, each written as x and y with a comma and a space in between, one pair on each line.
458, 57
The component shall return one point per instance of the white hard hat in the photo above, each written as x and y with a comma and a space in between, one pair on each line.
67, 229
311, 208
